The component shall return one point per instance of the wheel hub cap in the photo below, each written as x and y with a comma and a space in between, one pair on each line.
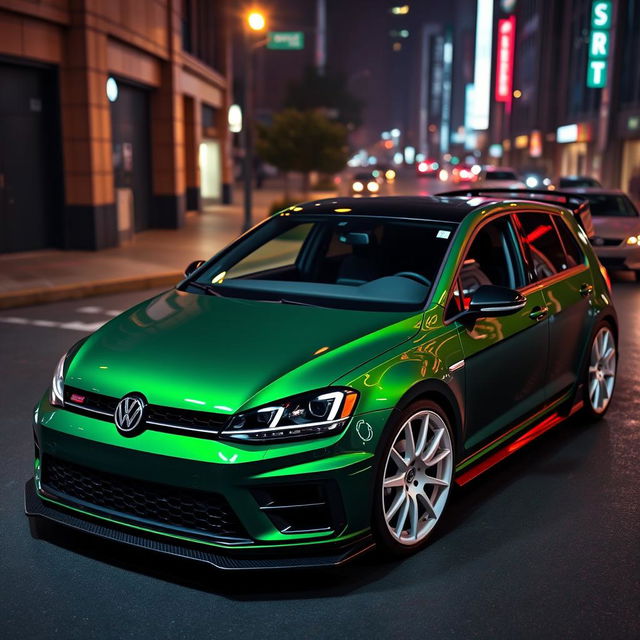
602, 370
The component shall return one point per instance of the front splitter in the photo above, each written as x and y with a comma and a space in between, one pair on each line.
34, 507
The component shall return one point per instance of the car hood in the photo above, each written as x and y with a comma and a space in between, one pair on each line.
216, 354
616, 226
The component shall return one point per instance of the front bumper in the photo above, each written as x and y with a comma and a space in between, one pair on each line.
622, 256
35, 507
242, 475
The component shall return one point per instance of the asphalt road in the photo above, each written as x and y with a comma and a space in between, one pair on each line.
546, 545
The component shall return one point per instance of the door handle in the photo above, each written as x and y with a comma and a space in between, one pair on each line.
538, 313
586, 290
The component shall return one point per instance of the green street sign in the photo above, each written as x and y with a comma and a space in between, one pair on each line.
601, 14
599, 45
292, 40
597, 74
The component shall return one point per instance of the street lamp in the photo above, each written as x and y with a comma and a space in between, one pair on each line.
255, 22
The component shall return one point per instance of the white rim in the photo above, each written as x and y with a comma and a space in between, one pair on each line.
417, 477
602, 370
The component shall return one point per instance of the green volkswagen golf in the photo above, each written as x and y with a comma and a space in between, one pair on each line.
319, 386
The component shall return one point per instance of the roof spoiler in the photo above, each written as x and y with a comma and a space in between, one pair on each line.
575, 202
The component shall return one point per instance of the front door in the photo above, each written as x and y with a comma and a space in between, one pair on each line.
506, 357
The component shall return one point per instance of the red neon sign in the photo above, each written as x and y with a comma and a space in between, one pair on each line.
504, 62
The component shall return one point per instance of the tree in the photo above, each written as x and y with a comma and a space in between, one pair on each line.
303, 141
328, 93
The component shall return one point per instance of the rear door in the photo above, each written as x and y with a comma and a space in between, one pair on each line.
559, 266
506, 357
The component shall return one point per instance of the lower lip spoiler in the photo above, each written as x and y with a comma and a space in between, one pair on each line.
34, 507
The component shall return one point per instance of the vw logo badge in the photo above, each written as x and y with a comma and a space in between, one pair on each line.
128, 414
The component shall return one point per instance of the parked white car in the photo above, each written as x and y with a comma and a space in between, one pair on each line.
616, 223
499, 177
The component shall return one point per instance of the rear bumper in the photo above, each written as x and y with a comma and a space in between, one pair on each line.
35, 507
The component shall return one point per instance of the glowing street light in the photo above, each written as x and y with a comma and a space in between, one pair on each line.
256, 20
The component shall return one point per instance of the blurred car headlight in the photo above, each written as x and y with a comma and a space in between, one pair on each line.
633, 240
357, 186
373, 186
390, 175
531, 182
310, 415
443, 175
56, 394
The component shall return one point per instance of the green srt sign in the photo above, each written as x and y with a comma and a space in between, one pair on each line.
599, 44
293, 40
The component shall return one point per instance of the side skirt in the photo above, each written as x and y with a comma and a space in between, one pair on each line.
532, 433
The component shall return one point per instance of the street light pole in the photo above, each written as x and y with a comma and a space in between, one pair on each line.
247, 138
255, 23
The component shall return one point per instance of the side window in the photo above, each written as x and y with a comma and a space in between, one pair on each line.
571, 246
492, 258
540, 236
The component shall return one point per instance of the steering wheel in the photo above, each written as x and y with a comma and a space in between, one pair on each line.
412, 275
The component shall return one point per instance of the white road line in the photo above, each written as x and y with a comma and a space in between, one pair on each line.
95, 310
86, 327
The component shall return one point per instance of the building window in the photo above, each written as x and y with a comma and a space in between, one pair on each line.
202, 24
629, 68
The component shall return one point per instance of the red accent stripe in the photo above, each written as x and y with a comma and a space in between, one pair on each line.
546, 424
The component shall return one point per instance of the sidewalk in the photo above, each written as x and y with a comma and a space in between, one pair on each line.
154, 258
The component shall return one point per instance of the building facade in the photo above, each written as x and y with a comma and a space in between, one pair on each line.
113, 118
556, 122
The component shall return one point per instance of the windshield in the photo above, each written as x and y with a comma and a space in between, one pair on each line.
611, 206
500, 175
572, 183
352, 263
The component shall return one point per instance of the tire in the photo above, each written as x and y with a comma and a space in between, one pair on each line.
413, 478
600, 372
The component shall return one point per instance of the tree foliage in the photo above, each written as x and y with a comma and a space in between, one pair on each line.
328, 93
303, 141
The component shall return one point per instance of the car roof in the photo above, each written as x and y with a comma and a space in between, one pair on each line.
441, 209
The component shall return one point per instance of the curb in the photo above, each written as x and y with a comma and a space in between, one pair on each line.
28, 297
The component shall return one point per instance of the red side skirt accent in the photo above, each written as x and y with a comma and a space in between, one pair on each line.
537, 430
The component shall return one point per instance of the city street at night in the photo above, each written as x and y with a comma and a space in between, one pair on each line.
320, 319
544, 545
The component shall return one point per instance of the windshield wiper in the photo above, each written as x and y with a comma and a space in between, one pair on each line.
208, 288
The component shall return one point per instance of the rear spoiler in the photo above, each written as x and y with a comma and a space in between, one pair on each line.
577, 203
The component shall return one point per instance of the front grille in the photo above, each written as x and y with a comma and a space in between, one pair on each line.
156, 417
612, 262
163, 506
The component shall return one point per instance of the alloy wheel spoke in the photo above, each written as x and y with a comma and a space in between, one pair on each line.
413, 518
423, 434
396, 504
596, 349
402, 516
426, 503
409, 443
394, 481
604, 391
399, 460
436, 481
596, 395
441, 455
433, 446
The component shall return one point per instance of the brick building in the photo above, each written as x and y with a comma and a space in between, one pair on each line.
113, 118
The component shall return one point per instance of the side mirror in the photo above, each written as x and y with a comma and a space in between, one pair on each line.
193, 266
491, 301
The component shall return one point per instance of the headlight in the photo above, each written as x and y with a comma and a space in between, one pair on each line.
531, 182
56, 395
310, 415
633, 240
373, 186
357, 186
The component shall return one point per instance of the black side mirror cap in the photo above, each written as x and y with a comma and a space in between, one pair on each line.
193, 267
492, 301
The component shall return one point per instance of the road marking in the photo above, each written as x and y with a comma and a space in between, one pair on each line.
87, 327
106, 312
